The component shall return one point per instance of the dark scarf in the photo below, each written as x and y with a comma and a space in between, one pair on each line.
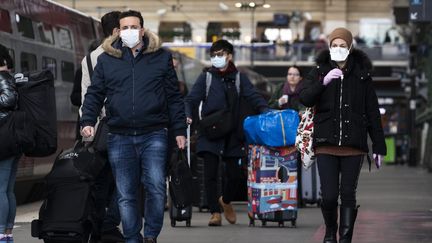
230, 69
287, 89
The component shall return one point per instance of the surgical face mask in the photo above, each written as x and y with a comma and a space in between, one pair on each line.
218, 62
130, 37
339, 54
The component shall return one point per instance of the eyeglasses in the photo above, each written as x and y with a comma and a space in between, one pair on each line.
294, 74
218, 53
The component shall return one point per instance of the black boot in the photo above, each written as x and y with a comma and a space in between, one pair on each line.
347, 219
330, 219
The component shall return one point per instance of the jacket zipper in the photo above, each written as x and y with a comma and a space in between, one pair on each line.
340, 110
133, 92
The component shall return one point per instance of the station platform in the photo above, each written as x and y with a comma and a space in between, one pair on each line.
396, 207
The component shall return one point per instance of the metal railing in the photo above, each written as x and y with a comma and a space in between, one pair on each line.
298, 52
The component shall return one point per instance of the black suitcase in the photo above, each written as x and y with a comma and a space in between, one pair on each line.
68, 212
181, 187
198, 173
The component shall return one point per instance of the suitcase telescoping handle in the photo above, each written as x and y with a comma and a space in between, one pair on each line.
188, 144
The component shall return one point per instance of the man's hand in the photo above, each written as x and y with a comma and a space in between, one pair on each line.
88, 131
181, 141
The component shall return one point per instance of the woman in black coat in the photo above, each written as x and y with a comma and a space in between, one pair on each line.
222, 91
340, 88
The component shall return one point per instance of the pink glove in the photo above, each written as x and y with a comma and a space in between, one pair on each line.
378, 159
333, 74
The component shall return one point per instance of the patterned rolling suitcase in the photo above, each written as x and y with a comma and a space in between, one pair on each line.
272, 185
310, 186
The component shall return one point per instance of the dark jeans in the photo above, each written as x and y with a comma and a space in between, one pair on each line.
108, 213
232, 173
339, 175
137, 160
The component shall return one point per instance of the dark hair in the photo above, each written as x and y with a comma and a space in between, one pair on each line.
222, 45
296, 67
93, 45
132, 13
5, 58
109, 22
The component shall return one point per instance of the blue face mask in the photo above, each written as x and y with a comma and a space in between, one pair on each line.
218, 62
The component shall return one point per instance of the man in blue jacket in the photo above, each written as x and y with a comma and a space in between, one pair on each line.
134, 78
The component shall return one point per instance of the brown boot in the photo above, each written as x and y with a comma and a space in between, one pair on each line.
229, 213
215, 220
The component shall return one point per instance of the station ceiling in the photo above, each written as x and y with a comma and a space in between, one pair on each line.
171, 7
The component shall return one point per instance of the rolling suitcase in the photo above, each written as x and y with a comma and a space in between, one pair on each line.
68, 213
310, 186
198, 171
180, 198
272, 185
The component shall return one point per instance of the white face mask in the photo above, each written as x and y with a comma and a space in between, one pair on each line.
339, 54
218, 62
130, 37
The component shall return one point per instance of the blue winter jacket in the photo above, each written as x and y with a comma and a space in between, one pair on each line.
141, 92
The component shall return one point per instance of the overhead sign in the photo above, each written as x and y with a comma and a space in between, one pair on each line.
420, 10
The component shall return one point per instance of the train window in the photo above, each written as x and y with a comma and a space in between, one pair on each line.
25, 26
5, 22
67, 71
65, 39
50, 64
28, 62
45, 33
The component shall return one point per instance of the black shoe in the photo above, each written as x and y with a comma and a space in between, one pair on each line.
330, 219
347, 219
150, 240
112, 236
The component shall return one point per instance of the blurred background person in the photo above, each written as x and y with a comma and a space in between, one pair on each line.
286, 95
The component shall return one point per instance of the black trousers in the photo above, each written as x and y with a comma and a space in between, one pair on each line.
339, 176
231, 173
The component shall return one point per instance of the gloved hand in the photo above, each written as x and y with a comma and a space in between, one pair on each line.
378, 159
333, 74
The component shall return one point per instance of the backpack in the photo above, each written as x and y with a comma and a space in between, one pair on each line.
37, 99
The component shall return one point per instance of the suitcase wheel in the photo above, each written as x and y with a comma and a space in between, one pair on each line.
188, 223
173, 223
294, 223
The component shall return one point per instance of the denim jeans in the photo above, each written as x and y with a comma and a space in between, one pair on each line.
8, 170
135, 159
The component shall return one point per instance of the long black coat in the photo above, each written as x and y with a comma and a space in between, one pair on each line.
232, 145
358, 113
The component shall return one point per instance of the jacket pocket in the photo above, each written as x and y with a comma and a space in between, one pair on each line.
357, 131
323, 127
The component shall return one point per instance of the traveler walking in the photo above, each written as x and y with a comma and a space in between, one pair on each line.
8, 166
108, 214
346, 111
286, 95
219, 88
137, 78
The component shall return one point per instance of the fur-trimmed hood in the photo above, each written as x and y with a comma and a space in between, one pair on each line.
112, 45
357, 56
